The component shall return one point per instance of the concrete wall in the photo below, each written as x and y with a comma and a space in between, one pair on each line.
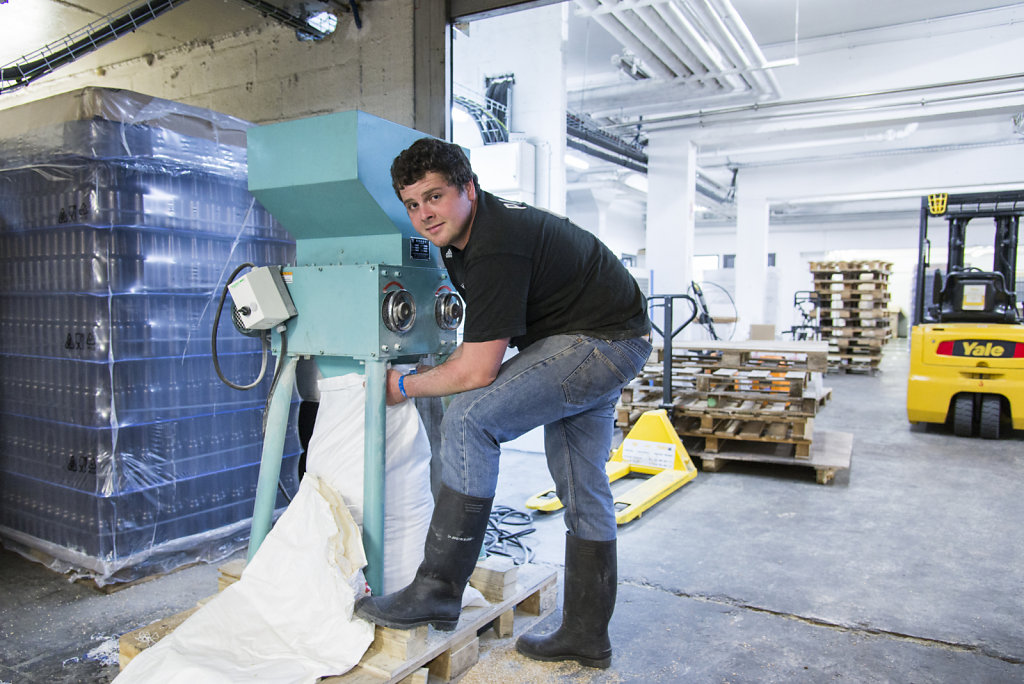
266, 74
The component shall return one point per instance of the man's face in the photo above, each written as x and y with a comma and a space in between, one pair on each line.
440, 212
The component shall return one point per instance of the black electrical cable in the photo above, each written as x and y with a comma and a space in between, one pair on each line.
277, 376
270, 396
265, 343
264, 338
505, 542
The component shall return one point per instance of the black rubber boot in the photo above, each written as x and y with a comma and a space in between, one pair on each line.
449, 556
590, 586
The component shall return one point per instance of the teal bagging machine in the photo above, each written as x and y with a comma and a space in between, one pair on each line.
365, 289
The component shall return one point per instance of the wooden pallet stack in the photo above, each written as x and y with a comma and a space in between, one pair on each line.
751, 401
854, 313
692, 362
754, 392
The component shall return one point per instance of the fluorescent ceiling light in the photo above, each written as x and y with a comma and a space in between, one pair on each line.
324, 22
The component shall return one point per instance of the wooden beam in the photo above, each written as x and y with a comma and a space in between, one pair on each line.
432, 68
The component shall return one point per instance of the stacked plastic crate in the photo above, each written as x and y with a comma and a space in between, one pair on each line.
121, 451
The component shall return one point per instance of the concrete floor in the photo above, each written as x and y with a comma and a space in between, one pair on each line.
908, 568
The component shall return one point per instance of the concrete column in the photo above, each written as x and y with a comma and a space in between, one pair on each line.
604, 205
671, 201
751, 258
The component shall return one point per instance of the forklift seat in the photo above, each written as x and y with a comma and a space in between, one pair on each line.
976, 297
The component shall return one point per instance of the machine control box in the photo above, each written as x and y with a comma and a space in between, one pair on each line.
261, 298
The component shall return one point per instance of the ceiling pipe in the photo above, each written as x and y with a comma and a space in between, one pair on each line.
654, 93
718, 34
683, 40
615, 28
726, 38
670, 37
890, 135
698, 82
646, 35
697, 41
747, 45
841, 104
866, 154
655, 104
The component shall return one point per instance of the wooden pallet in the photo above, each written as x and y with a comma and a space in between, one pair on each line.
826, 278
748, 410
863, 314
843, 288
855, 299
858, 343
750, 404
787, 384
859, 266
517, 595
860, 366
772, 355
830, 452
823, 395
852, 331
396, 655
717, 433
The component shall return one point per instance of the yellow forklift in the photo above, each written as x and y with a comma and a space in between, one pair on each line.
967, 342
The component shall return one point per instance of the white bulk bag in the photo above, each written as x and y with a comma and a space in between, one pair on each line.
288, 620
335, 454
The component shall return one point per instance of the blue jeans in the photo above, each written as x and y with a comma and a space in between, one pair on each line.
570, 385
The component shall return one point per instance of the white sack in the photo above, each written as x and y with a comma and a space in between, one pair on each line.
335, 453
288, 619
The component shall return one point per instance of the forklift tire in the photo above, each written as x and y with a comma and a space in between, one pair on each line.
991, 416
963, 415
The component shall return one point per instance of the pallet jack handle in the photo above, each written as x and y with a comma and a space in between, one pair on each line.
666, 302
704, 316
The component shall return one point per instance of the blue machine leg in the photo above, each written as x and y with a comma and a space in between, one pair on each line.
273, 449
373, 472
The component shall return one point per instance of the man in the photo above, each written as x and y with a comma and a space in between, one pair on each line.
537, 282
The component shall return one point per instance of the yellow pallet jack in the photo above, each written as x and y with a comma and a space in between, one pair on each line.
653, 448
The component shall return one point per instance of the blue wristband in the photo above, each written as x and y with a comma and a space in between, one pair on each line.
401, 382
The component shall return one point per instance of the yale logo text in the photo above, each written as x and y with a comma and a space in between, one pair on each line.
980, 349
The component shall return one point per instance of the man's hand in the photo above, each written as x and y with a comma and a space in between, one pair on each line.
472, 365
393, 395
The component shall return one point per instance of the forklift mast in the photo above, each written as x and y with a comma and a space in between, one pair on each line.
1000, 305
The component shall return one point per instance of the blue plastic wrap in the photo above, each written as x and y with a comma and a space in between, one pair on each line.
121, 452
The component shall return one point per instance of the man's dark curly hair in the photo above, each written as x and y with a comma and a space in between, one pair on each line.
430, 154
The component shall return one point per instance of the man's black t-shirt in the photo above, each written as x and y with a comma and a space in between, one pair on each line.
528, 274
